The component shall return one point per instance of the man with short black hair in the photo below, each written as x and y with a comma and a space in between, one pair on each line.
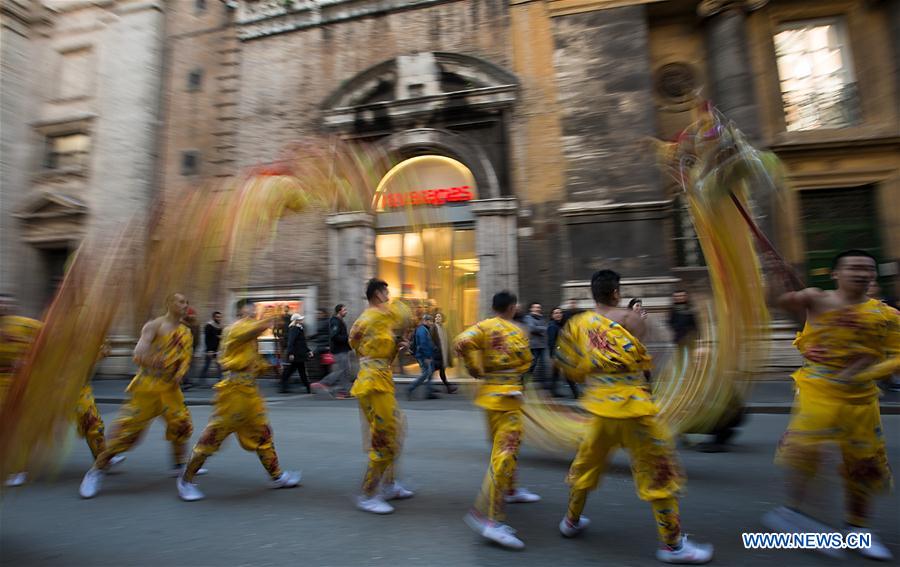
373, 337
496, 351
239, 407
849, 342
602, 348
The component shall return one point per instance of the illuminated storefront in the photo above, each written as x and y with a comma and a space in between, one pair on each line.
425, 242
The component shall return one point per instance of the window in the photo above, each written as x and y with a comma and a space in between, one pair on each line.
195, 80
190, 163
814, 67
199, 6
67, 151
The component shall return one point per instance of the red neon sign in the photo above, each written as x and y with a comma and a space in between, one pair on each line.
435, 197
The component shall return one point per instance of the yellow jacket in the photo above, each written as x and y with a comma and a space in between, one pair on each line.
373, 337
495, 350
611, 362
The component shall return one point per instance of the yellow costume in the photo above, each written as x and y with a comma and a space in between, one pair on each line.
611, 362
496, 350
831, 408
373, 338
156, 392
16, 336
239, 406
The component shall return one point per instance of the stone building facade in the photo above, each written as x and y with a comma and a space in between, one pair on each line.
547, 104
550, 103
80, 106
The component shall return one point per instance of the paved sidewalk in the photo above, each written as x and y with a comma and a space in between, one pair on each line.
767, 396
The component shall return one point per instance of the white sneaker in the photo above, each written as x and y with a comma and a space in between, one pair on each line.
375, 504
877, 550
17, 479
521, 496
177, 471
786, 520
116, 460
689, 553
91, 483
397, 491
188, 491
494, 531
288, 479
569, 530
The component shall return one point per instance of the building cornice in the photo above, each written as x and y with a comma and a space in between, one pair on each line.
350, 219
500, 206
583, 208
261, 18
567, 7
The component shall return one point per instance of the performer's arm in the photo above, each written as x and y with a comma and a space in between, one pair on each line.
143, 355
467, 346
891, 363
574, 363
635, 324
357, 332
250, 332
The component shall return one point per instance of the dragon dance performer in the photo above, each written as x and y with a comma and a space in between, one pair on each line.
87, 417
602, 348
163, 354
373, 338
496, 351
17, 333
849, 342
239, 407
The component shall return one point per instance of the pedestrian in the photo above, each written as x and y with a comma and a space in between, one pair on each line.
423, 350
603, 348
297, 354
496, 352
212, 335
163, 354
339, 379
553, 329
682, 320
537, 342
849, 342
373, 339
442, 358
239, 407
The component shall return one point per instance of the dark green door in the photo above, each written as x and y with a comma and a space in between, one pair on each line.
835, 220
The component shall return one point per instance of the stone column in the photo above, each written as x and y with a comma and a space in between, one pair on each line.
351, 262
731, 77
496, 247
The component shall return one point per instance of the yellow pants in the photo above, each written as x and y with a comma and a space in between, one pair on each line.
385, 424
505, 432
149, 400
239, 409
88, 421
856, 429
657, 474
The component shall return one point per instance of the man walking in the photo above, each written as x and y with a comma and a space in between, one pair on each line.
537, 340
339, 379
424, 352
212, 336
297, 353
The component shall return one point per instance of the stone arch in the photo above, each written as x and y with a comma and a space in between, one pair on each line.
413, 89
